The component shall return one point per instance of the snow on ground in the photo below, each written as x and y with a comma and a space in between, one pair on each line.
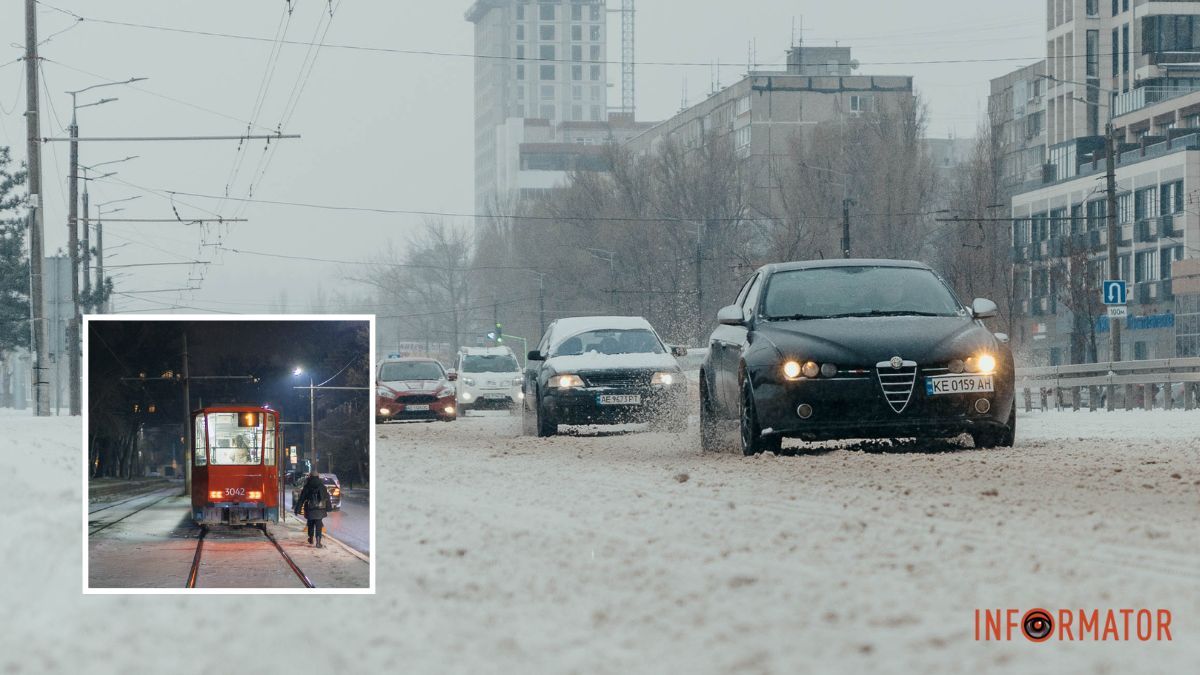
618, 551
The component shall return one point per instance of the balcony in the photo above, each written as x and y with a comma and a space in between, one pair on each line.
1166, 227
1142, 231
1141, 97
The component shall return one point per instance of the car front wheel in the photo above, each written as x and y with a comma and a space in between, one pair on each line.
753, 442
546, 424
710, 433
1003, 437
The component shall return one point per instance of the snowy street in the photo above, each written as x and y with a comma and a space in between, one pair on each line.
615, 551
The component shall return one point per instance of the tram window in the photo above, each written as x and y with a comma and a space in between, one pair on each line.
233, 443
269, 441
199, 449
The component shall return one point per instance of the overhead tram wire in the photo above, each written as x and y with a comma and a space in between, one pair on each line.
671, 220
534, 59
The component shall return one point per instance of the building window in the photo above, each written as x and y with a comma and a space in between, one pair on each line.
594, 13
577, 33
1141, 351
577, 12
595, 73
595, 33
546, 12
521, 72
547, 53
577, 112
1116, 9
1092, 7
1116, 53
1144, 269
597, 113
547, 92
546, 33
597, 93
521, 32
576, 52
546, 73
859, 103
577, 73
547, 112
1171, 198
1057, 219
594, 52
520, 51
577, 93
1166, 257
1125, 49
521, 12
742, 137
1144, 202
1093, 53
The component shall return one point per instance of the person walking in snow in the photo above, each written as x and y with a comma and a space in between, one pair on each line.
314, 500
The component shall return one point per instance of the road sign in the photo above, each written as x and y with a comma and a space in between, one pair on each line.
1118, 311
1114, 292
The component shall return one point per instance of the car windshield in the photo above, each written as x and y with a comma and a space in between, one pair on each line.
832, 292
410, 370
494, 363
636, 341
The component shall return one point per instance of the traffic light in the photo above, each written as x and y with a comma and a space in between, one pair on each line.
499, 333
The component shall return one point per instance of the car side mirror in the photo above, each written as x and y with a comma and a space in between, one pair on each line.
679, 351
983, 308
731, 315
534, 355
1002, 337
452, 376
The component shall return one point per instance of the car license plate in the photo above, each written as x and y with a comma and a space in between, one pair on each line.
495, 397
958, 384
620, 399
417, 408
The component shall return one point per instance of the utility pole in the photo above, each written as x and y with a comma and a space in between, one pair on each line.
188, 432
699, 283
73, 342
542, 300
41, 390
846, 228
312, 422
1114, 263
85, 248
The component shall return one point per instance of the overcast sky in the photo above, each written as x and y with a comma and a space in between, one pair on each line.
393, 131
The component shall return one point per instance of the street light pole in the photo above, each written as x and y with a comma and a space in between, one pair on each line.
37, 254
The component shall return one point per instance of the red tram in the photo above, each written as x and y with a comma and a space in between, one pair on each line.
236, 460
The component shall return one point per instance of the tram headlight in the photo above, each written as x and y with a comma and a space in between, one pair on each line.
254, 494
214, 495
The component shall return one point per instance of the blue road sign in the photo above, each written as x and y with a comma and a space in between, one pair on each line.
1114, 292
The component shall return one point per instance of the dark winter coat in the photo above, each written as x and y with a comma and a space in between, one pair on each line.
314, 499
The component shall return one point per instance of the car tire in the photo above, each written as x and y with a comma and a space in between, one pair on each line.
1003, 437
546, 424
710, 436
749, 432
528, 417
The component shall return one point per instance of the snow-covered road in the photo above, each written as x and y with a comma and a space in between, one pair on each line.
632, 552
614, 552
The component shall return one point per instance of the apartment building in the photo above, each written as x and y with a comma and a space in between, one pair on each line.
536, 59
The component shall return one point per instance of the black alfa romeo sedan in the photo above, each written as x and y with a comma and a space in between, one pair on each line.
837, 349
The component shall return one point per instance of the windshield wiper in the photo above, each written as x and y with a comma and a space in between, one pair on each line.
881, 312
795, 317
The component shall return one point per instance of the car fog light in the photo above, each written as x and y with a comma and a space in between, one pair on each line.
956, 366
384, 411
804, 410
810, 370
828, 370
982, 406
449, 410
791, 369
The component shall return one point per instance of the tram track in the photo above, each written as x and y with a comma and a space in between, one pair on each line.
170, 490
106, 525
194, 572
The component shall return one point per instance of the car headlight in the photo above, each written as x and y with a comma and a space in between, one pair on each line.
982, 363
791, 370
956, 366
384, 411
566, 381
665, 379
470, 382
518, 382
810, 369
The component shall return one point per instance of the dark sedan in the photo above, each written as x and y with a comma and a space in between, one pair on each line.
603, 370
855, 349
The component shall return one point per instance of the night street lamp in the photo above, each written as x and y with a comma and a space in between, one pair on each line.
312, 417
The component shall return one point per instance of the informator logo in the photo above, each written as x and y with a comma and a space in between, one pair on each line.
1073, 625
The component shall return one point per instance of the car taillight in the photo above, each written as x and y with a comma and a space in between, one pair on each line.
254, 494
214, 494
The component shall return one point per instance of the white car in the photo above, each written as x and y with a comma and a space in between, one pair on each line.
488, 378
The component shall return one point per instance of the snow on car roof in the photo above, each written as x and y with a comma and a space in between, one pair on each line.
568, 327
487, 351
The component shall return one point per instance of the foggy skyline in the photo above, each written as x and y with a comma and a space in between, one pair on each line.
391, 131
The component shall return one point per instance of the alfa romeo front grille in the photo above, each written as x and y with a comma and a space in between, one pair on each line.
897, 383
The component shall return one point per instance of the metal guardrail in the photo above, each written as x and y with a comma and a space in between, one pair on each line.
1132, 383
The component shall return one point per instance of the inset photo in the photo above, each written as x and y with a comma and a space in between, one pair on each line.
228, 454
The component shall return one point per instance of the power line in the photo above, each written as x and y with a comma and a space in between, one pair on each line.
531, 59
590, 219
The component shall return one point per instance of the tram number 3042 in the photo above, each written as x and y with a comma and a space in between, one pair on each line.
235, 492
